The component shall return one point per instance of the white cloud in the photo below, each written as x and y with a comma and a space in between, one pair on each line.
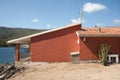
77, 20
48, 25
92, 7
116, 21
35, 20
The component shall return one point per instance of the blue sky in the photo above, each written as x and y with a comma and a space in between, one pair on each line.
48, 14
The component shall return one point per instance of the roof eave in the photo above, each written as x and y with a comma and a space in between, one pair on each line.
84, 35
21, 40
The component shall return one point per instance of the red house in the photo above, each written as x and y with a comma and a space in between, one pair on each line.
56, 45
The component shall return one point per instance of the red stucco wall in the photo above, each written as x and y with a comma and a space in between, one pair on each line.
55, 46
89, 48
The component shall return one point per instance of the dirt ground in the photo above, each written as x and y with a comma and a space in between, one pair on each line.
69, 71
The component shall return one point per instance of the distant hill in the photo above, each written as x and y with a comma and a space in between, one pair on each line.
12, 33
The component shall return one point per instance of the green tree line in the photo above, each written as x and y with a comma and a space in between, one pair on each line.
13, 33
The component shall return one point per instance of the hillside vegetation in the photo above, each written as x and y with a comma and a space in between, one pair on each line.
12, 33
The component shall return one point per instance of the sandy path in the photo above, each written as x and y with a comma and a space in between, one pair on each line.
69, 71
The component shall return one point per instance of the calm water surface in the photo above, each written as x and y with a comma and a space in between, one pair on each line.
7, 55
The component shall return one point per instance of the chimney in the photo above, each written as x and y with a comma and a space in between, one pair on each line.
99, 29
95, 26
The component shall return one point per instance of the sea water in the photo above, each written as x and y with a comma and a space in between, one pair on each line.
7, 55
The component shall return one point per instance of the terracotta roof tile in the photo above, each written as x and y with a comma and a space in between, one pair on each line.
99, 32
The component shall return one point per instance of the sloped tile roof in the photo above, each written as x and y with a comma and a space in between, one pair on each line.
99, 32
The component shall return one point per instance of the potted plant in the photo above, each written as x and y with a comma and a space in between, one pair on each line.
103, 53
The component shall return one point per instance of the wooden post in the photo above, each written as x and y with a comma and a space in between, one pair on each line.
17, 53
